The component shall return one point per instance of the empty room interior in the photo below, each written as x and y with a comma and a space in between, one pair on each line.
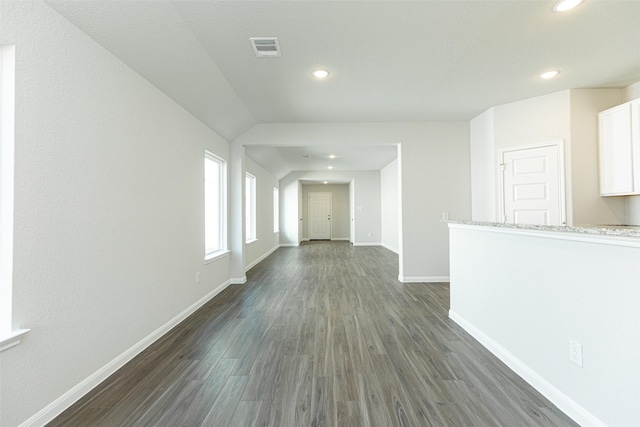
338, 213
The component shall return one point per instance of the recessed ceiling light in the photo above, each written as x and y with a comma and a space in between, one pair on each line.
326, 182
564, 5
549, 74
330, 167
320, 74
332, 156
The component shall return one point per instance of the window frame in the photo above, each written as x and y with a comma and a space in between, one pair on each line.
251, 231
211, 252
10, 335
276, 210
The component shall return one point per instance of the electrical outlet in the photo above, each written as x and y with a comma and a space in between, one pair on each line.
445, 216
370, 234
575, 352
197, 277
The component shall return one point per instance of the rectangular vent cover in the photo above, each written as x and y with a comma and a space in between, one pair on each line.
266, 47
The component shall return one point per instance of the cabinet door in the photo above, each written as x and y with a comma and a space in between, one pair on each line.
635, 143
616, 165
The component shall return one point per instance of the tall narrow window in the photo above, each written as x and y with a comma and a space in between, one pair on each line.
9, 333
215, 205
250, 207
276, 210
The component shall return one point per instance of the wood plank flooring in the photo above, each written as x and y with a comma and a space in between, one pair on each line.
320, 335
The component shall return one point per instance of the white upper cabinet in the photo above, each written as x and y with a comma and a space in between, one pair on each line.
619, 137
635, 143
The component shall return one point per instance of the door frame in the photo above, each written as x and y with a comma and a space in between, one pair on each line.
559, 145
309, 212
352, 211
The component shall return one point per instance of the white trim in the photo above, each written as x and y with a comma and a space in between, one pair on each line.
215, 256
222, 192
424, 279
250, 241
12, 339
7, 167
559, 144
276, 209
238, 280
340, 239
251, 191
368, 244
394, 250
548, 390
562, 233
56, 407
256, 262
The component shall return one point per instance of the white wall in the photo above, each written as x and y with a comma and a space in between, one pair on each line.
389, 192
632, 202
588, 206
435, 179
526, 296
339, 208
434, 175
367, 197
632, 92
109, 210
569, 116
535, 121
267, 241
484, 203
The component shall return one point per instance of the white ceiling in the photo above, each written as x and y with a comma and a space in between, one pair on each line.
282, 160
390, 61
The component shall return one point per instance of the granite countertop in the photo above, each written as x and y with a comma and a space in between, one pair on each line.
602, 230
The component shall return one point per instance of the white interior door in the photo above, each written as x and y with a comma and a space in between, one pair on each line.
319, 216
533, 185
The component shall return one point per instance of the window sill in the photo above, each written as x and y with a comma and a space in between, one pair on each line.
215, 256
248, 242
12, 339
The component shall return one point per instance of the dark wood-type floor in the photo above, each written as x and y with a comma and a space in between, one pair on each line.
320, 335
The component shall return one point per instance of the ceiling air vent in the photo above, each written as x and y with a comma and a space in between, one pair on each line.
266, 47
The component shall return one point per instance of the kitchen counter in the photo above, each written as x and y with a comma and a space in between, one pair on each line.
602, 230
527, 292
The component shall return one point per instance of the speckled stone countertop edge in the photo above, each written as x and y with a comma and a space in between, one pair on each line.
595, 229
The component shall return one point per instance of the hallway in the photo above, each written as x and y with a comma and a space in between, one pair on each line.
322, 334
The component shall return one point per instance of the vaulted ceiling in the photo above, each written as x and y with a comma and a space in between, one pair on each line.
392, 61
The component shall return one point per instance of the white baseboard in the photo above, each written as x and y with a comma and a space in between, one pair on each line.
256, 262
56, 407
394, 250
368, 244
567, 405
238, 280
424, 279
331, 239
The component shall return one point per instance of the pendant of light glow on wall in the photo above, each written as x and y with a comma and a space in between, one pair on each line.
564, 5
549, 74
320, 74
